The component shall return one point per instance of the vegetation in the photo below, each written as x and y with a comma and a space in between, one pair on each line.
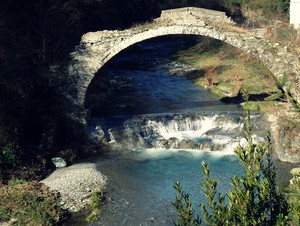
248, 13
95, 201
227, 70
286, 36
258, 12
29, 203
293, 197
254, 200
33, 121
33, 36
37, 34
285, 91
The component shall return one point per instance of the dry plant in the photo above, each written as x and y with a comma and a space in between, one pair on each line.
211, 76
245, 57
286, 35
29, 203
254, 18
297, 45
144, 26
232, 28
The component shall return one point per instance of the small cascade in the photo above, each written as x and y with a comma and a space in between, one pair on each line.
202, 131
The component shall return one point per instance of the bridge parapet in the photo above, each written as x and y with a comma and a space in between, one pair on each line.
97, 48
193, 14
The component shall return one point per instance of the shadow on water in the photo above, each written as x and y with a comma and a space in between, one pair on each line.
138, 83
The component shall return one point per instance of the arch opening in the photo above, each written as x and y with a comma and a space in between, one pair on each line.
97, 48
224, 78
153, 102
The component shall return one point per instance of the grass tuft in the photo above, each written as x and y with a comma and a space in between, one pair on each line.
227, 70
29, 203
95, 201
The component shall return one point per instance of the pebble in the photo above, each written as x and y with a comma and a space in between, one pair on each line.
295, 171
59, 162
75, 184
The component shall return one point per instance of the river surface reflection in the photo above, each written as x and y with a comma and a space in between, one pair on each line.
140, 84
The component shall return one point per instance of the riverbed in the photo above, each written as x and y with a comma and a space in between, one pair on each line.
158, 128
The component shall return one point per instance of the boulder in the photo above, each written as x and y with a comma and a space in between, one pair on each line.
295, 172
296, 176
59, 162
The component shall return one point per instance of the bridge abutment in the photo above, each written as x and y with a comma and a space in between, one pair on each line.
97, 48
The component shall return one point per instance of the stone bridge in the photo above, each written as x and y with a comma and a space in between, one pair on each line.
97, 48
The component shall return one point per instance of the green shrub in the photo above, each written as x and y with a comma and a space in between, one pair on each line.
9, 155
254, 200
95, 201
294, 201
13, 182
4, 214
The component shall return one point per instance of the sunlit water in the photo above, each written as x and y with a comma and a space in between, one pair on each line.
161, 128
140, 187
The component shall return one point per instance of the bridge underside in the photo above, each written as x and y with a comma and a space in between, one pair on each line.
97, 48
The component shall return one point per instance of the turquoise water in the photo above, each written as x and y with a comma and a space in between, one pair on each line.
140, 181
140, 189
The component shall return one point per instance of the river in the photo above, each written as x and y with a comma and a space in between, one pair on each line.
159, 128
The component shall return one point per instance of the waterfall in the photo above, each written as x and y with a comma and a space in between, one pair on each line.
197, 131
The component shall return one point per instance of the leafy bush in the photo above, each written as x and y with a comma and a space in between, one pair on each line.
15, 182
294, 200
9, 155
254, 200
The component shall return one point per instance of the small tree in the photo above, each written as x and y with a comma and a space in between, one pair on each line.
254, 200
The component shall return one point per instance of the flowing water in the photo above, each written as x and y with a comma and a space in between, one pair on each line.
160, 127
140, 189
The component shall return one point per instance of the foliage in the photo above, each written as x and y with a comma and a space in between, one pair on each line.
257, 12
14, 182
29, 203
9, 156
284, 91
95, 201
254, 200
286, 36
225, 70
269, 7
37, 34
33, 36
183, 206
294, 197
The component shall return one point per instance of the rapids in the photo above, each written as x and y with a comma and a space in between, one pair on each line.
158, 128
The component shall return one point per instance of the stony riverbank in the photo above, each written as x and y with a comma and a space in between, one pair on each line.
226, 71
76, 184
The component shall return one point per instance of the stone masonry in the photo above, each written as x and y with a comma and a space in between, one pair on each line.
97, 48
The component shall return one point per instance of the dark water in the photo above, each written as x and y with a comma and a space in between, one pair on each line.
138, 83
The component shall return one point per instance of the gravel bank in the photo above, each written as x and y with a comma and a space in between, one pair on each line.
75, 184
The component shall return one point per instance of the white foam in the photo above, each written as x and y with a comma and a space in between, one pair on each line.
188, 128
160, 153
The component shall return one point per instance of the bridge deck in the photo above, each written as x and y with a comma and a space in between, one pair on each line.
97, 48
192, 14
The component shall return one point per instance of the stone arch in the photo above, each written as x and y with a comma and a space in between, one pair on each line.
163, 31
91, 56
97, 48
